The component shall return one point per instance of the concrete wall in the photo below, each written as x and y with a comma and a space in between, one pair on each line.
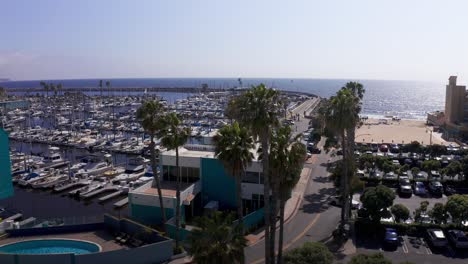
149, 214
149, 254
6, 186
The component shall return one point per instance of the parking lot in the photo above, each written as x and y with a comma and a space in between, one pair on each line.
415, 249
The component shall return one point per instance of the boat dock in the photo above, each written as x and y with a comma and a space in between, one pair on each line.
99, 191
121, 203
70, 185
111, 195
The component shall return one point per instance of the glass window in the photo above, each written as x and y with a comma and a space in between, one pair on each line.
250, 177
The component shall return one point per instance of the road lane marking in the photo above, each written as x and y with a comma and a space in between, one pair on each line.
299, 236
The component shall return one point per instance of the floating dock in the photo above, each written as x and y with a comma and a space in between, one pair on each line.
98, 191
110, 196
121, 203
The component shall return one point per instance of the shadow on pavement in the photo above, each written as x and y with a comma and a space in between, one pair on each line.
317, 202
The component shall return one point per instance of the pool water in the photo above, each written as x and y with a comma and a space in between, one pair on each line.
50, 246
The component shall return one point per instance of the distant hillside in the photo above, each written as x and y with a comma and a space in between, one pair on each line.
4, 80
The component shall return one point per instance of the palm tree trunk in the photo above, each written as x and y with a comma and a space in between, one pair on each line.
343, 179
266, 194
177, 220
274, 212
281, 229
351, 137
240, 210
157, 181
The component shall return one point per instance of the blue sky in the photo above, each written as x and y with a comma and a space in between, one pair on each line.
419, 40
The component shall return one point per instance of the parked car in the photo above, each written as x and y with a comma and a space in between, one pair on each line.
448, 190
391, 237
436, 188
338, 201
405, 187
458, 238
435, 175
383, 148
420, 189
437, 237
394, 148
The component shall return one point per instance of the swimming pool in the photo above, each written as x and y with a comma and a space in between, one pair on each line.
50, 246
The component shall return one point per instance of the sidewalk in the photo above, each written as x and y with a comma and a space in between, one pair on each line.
291, 207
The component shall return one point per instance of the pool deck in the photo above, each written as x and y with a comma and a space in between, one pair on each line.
100, 237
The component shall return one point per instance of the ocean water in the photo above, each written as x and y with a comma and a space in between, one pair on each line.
406, 99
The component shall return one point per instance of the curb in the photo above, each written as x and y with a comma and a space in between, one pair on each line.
289, 218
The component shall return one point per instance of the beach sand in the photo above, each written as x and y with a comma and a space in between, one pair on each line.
402, 132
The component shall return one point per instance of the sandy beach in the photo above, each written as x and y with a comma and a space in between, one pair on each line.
402, 131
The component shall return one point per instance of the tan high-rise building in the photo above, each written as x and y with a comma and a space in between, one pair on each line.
455, 101
456, 110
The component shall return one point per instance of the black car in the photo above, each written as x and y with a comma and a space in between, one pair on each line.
448, 190
436, 188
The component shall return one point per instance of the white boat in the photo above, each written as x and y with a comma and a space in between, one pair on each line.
135, 169
52, 159
49, 182
113, 172
93, 167
33, 177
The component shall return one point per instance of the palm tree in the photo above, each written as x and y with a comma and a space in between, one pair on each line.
233, 148
358, 91
59, 87
149, 115
53, 88
340, 116
287, 158
259, 110
46, 87
216, 240
173, 135
100, 87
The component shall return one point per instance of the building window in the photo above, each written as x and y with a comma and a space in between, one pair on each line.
251, 177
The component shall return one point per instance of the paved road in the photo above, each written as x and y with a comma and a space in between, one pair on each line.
315, 219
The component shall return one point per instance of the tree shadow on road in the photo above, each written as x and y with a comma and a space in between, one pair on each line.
317, 202
322, 179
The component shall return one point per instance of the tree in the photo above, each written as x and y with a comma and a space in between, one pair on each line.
259, 110
59, 87
415, 170
309, 252
215, 240
429, 165
414, 147
287, 160
457, 207
53, 88
149, 114
400, 212
2, 92
439, 213
422, 209
46, 87
233, 148
454, 168
377, 258
173, 135
341, 118
100, 87
376, 199
436, 150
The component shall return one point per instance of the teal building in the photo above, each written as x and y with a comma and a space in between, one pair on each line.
206, 186
6, 186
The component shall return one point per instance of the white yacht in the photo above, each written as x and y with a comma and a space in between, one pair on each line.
135, 168
33, 177
51, 181
93, 167
52, 159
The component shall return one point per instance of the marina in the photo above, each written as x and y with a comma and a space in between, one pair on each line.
84, 153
